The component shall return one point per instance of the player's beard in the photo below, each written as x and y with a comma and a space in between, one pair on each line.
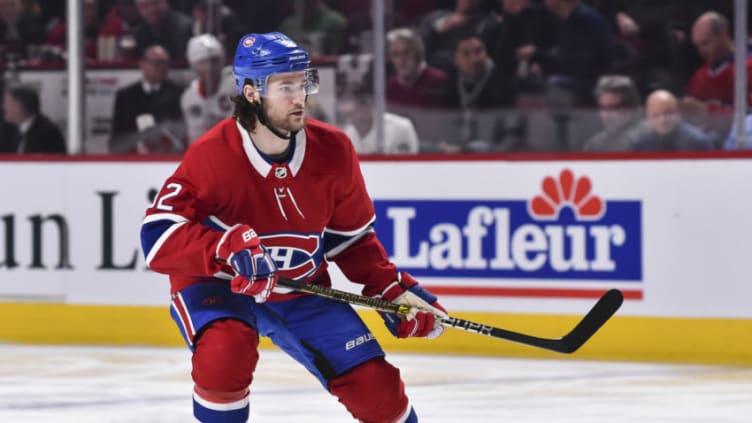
287, 122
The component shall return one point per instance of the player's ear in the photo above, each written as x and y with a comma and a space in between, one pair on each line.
251, 94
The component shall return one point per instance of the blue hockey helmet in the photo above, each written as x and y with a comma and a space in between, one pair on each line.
259, 56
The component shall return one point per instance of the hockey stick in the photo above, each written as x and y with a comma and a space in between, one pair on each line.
567, 344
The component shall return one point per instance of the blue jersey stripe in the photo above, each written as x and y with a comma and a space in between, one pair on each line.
150, 233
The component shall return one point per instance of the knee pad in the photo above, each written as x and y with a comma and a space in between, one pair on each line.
372, 392
225, 356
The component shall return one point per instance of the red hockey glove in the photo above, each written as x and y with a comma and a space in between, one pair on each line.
424, 318
256, 273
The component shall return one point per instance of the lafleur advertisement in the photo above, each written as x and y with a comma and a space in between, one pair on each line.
485, 235
564, 232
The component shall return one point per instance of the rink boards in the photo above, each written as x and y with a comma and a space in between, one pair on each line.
526, 245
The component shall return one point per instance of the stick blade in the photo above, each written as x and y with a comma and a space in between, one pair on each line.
606, 306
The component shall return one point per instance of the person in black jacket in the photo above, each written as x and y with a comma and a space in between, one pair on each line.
33, 132
6, 138
476, 94
475, 81
19, 31
525, 25
583, 48
146, 116
159, 24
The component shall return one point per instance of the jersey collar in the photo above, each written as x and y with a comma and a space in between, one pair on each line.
262, 166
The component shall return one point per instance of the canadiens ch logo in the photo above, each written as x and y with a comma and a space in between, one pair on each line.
296, 255
249, 41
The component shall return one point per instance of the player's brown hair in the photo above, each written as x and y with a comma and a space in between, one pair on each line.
245, 112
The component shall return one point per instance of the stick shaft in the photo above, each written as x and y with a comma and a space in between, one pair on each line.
569, 343
344, 296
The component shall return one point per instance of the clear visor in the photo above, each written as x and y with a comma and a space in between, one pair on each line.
292, 84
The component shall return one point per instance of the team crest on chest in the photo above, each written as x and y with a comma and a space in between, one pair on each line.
296, 255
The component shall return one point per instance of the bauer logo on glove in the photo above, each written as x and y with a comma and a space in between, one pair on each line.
256, 272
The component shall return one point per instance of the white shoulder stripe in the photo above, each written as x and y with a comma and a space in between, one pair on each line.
161, 240
354, 232
342, 247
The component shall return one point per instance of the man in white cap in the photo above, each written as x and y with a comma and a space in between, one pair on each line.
206, 101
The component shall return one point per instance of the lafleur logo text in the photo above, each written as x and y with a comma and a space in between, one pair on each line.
565, 232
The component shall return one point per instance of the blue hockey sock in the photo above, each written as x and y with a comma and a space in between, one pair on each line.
410, 417
217, 412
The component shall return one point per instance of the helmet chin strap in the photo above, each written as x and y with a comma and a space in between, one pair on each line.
264, 120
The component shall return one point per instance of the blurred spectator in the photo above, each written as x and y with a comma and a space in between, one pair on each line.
35, 132
582, 49
665, 129
730, 143
410, 12
116, 40
213, 17
182, 6
620, 110
359, 31
474, 86
274, 11
440, 28
658, 31
358, 117
525, 26
709, 94
206, 101
47, 13
475, 82
317, 28
146, 114
58, 35
20, 33
414, 83
163, 26
7, 137
7, 131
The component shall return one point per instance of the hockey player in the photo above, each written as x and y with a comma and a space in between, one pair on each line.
206, 100
270, 193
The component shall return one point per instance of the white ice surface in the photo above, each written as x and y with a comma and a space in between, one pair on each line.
127, 385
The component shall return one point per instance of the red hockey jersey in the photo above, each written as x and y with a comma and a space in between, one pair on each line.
715, 84
312, 209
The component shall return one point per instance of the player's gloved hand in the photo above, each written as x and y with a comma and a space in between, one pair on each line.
424, 318
256, 273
